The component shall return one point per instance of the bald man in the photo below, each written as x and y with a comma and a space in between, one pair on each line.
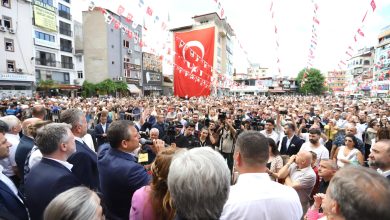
300, 176
25, 145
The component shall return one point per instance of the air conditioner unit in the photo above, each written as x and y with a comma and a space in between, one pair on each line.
19, 70
2, 28
12, 31
76, 81
10, 70
129, 51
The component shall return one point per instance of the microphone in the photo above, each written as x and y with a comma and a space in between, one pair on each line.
144, 141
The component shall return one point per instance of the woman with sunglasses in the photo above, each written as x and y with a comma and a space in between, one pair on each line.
349, 154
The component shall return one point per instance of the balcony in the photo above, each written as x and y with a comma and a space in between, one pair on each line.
66, 32
67, 65
44, 62
66, 49
65, 14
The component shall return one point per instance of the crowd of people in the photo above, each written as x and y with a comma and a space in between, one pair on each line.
252, 157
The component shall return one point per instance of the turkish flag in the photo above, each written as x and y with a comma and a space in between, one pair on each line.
194, 55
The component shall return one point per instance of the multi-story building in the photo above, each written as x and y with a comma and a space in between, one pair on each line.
79, 53
382, 64
360, 71
16, 49
152, 77
223, 46
336, 82
110, 54
54, 45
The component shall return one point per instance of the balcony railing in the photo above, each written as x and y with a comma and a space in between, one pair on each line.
65, 14
66, 49
67, 65
50, 63
66, 32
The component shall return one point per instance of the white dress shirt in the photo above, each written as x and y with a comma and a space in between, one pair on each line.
10, 162
274, 135
255, 196
7, 181
64, 163
89, 141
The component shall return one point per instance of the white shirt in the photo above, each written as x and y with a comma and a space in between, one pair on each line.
305, 136
274, 135
104, 127
88, 141
10, 162
360, 129
321, 151
255, 196
7, 181
64, 163
35, 157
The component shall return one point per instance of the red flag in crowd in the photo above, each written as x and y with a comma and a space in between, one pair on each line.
201, 43
360, 32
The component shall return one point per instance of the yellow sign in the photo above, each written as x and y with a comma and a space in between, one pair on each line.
45, 18
143, 157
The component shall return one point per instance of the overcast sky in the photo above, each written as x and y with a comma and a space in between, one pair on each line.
251, 21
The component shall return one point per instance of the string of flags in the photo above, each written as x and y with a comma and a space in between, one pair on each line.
358, 34
313, 41
276, 36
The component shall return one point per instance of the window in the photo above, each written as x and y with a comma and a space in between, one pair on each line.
126, 44
9, 44
11, 67
68, 1
45, 59
44, 36
65, 29
6, 3
64, 11
66, 45
66, 62
136, 37
7, 22
48, 2
38, 75
366, 62
80, 74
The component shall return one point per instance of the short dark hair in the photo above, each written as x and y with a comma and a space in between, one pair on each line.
253, 147
290, 126
118, 131
270, 121
3, 127
274, 147
38, 111
315, 131
192, 125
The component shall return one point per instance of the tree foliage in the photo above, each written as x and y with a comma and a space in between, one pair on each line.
89, 89
106, 87
46, 85
313, 82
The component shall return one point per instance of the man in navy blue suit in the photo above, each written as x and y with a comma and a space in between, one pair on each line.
101, 130
52, 175
11, 201
84, 160
291, 143
120, 174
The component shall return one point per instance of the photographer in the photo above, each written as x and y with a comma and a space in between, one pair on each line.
174, 131
146, 155
188, 140
227, 135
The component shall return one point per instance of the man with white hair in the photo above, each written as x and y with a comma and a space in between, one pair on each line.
9, 163
202, 190
249, 201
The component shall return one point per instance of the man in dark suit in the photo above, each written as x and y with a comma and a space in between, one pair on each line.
160, 125
198, 125
25, 145
11, 201
120, 174
101, 130
52, 175
84, 160
291, 143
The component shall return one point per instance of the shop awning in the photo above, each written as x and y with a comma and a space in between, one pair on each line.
133, 88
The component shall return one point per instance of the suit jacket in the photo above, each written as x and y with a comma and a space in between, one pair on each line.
99, 134
24, 148
84, 162
10, 205
120, 176
45, 181
293, 148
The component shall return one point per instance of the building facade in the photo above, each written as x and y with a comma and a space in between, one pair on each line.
54, 45
152, 76
110, 54
382, 64
16, 49
79, 53
336, 82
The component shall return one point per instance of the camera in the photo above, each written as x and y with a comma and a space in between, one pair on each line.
144, 134
222, 116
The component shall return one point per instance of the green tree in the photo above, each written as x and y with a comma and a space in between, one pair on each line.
121, 87
106, 87
89, 89
313, 82
46, 85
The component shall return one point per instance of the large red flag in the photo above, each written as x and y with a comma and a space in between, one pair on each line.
194, 56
